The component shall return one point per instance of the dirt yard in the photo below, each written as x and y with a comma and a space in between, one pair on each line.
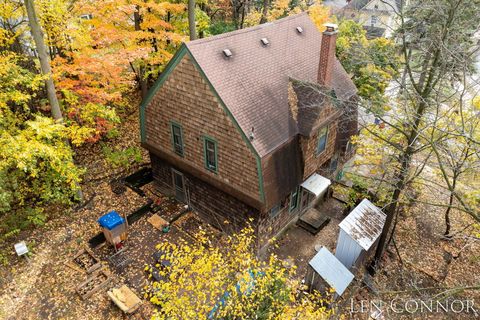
298, 245
43, 287
424, 260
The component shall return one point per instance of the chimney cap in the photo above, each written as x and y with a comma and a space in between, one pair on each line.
331, 27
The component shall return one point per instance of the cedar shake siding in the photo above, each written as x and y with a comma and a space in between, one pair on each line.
262, 108
186, 99
314, 162
282, 172
214, 205
314, 110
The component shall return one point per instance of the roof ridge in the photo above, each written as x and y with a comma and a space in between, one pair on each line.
246, 30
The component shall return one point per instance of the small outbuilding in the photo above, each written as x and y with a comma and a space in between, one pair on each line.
316, 184
114, 228
327, 272
359, 233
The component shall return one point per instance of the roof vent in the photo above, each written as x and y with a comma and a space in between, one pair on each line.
252, 134
227, 53
299, 29
265, 41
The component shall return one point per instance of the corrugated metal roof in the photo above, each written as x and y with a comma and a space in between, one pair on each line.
316, 184
364, 224
331, 270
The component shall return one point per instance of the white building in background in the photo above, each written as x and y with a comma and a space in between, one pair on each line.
378, 17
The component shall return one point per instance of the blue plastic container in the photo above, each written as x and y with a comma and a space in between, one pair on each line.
111, 220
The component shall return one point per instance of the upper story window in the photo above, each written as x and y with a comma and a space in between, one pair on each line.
294, 199
177, 138
322, 140
374, 20
210, 152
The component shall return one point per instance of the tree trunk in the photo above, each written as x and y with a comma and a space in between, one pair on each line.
447, 219
422, 91
244, 12
142, 82
44, 59
191, 19
266, 4
401, 177
46, 70
448, 225
235, 13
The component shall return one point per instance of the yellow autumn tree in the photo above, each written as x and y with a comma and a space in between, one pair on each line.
278, 9
228, 281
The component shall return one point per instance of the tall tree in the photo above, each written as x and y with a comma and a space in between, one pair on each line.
44, 58
265, 7
47, 71
439, 32
191, 19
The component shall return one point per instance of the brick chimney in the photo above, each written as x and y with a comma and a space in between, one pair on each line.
327, 55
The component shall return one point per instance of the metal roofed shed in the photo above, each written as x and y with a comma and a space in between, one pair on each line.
316, 184
359, 231
325, 266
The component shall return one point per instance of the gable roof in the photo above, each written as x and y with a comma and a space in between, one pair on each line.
253, 82
394, 5
357, 4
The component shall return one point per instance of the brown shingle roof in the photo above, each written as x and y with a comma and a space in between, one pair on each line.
253, 82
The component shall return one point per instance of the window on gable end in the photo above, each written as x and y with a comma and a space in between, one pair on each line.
177, 138
210, 153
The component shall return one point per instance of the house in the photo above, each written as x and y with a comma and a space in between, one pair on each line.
378, 17
237, 122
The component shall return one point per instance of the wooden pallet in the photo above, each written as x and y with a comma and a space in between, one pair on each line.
97, 281
86, 260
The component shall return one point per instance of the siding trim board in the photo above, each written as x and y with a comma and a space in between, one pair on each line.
158, 84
